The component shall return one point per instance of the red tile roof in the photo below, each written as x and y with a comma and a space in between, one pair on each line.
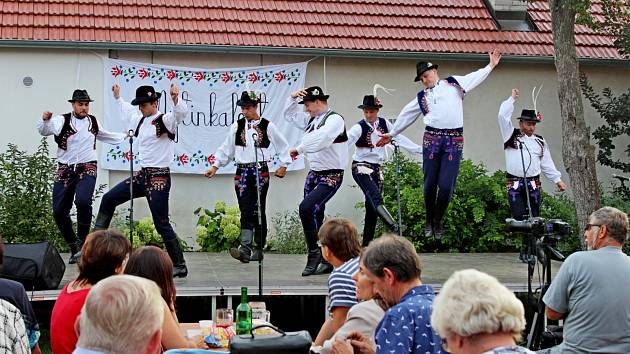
436, 26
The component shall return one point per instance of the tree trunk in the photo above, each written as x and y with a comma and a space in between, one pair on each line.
577, 152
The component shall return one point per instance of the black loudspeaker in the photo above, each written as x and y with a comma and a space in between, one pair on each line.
38, 266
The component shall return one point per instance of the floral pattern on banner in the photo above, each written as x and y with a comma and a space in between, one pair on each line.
213, 77
182, 160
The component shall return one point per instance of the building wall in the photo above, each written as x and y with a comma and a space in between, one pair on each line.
57, 72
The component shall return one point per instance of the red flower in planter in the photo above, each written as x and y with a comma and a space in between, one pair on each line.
225, 77
171, 74
143, 73
116, 71
211, 159
252, 77
183, 159
199, 76
279, 76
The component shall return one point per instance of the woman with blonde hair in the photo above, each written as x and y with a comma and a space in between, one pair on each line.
475, 314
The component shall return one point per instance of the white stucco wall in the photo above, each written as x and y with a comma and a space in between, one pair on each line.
57, 72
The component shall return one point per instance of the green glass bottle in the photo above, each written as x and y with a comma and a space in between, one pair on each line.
243, 314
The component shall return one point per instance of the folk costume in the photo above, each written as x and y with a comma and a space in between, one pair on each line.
325, 145
243, 138
366, 166
155, 137
443, 140
75, 178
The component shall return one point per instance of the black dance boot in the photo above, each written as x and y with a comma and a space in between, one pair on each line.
244, 252
75, 253
428, 230
324, 267
258, 253
314, 256
387, 218
174, 250
438, 230
102, 221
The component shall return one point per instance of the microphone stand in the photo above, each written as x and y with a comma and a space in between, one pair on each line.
131, 134
529, 205
257, 167
397, 158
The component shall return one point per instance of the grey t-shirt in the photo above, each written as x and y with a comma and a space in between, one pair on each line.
593, 289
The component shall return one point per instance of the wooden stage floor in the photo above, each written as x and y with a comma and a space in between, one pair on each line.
217, 274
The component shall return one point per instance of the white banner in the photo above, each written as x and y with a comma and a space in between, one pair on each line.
211, 97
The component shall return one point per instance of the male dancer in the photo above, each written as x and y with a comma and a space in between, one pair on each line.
247, 135
155, 135
441, 103
324, 143
366, 164
75, 134
536, 158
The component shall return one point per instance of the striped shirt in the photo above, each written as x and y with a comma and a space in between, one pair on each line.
342, 290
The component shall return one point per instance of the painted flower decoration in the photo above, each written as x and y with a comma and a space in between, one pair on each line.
252, 77
211, 159
127, 155
225, 77
171, 74
279, 76
199, 76
183, 159
143, 73
116, 71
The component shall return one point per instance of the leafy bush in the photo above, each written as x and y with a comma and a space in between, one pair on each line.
144, 232
218, 230
289, 235
475, 220
26, 183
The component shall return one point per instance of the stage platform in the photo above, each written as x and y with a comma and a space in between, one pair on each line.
217, 274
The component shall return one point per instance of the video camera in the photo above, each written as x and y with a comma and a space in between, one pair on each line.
554, 228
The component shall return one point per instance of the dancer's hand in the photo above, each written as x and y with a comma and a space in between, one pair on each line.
116, 91
46, 115
495, 57
281, 172
294, 153
211, 172
561, 186
299, 93
174, 93
515, 93
384, 140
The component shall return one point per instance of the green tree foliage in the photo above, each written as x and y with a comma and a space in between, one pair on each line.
218, 230
26, 182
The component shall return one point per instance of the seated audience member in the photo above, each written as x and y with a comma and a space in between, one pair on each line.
14, 293
102, 255
590, 291
392, 263
339, 242
154, 264
475, 314
122, 314
12, 330
362, 317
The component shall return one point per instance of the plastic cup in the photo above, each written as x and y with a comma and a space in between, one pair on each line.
206, 327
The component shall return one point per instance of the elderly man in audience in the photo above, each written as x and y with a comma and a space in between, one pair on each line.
590, 292
339, 242
475, 314
122, 314
392, 263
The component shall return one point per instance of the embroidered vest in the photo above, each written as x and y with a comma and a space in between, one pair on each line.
422, 100
160, 127
261, 131
67, 130
511, 142
343, 137
365, 140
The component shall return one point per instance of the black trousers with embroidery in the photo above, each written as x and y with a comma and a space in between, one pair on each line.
245, 187
74, 183
152, 183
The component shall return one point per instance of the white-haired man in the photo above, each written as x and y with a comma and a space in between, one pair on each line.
122, 314
590, 291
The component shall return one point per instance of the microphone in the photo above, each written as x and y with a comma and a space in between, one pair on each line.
130, 133
255, 138
621, 178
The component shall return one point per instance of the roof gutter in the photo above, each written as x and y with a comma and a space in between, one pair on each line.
227, 49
